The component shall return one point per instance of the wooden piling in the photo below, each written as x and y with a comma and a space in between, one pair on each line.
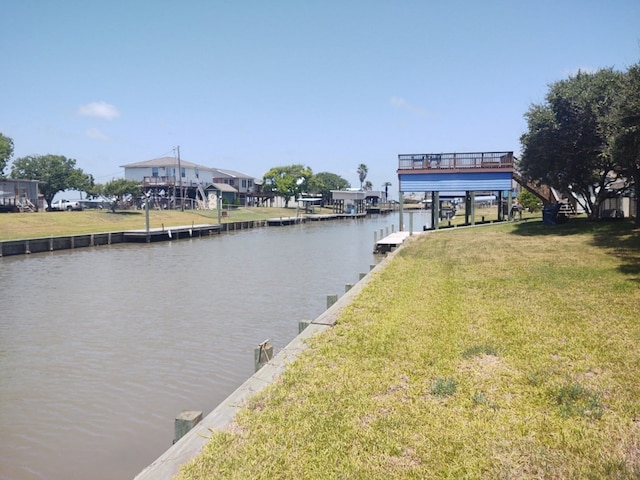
262, 354
184, 422
331, 299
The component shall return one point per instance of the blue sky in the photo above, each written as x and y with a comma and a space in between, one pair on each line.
249, 85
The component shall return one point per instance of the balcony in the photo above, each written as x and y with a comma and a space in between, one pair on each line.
159, 181
455, 162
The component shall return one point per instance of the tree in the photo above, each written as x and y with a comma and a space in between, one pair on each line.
566, 144
367, 186
55, 173
120, 188
6, 152
529, 201
362, 173
386, 186
289, 181
322, 183
625, 121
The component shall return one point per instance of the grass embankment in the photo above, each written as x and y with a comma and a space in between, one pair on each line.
507, 351
15, 226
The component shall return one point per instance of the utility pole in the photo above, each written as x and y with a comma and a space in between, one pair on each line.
180, 177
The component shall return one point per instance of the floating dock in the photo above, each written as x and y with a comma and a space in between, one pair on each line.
392, 241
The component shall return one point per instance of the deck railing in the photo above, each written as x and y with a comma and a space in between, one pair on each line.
159, 181
456, 161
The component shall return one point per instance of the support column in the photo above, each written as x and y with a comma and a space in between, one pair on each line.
435, 210
472, 207
401, 211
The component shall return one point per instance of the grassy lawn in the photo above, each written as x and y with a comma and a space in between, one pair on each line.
500, 352
46, 224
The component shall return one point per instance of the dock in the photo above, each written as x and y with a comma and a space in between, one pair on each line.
280, 221
171, 233
392, 241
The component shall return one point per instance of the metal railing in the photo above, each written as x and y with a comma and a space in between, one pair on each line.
456, 161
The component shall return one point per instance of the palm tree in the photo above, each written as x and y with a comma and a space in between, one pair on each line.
386, 186
362, 173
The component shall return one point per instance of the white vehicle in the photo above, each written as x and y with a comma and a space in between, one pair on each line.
66, 205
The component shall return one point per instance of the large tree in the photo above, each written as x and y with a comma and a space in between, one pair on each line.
322, 183
362, 173
6, 151
566, 145
625, 130
55, 173
118, 189
289, 181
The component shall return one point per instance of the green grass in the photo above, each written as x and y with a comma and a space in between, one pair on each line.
499, 352
15, 226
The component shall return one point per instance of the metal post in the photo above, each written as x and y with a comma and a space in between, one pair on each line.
146, 214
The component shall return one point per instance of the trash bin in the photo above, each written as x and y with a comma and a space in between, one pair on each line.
549, 214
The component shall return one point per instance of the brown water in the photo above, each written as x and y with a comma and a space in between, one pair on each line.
101, 348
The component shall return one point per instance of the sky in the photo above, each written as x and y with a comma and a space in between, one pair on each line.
251, 85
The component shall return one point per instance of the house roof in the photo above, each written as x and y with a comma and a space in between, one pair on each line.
223, 187
230, 173
163, 162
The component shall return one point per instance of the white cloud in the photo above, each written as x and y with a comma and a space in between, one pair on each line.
399, 102
96, 134
102, 110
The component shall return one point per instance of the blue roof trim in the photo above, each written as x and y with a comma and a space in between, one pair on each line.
452, 182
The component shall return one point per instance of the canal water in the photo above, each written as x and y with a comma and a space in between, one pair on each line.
100, 348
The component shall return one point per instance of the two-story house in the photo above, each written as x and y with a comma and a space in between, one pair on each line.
172, 183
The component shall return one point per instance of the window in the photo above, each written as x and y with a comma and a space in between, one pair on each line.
183, 173
244, 183
154, 171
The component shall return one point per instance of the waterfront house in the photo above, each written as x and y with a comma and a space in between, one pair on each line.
18, 195
245, 185
172, 183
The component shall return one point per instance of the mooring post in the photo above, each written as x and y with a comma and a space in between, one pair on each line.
331, 299
185, 422
262, 354
302, 324
347, 287
362, 275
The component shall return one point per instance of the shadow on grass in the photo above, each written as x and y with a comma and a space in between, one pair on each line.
619, 237
124, 212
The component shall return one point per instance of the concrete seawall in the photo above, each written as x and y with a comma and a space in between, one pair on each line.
185, 449
67, 242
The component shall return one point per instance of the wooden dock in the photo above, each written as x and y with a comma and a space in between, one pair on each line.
171, 233
392, 241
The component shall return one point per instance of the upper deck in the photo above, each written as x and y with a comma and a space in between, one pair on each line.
455, 162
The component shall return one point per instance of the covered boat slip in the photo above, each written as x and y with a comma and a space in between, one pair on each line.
450, 174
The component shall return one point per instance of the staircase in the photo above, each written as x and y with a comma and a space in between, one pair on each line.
543, 192
25, 205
